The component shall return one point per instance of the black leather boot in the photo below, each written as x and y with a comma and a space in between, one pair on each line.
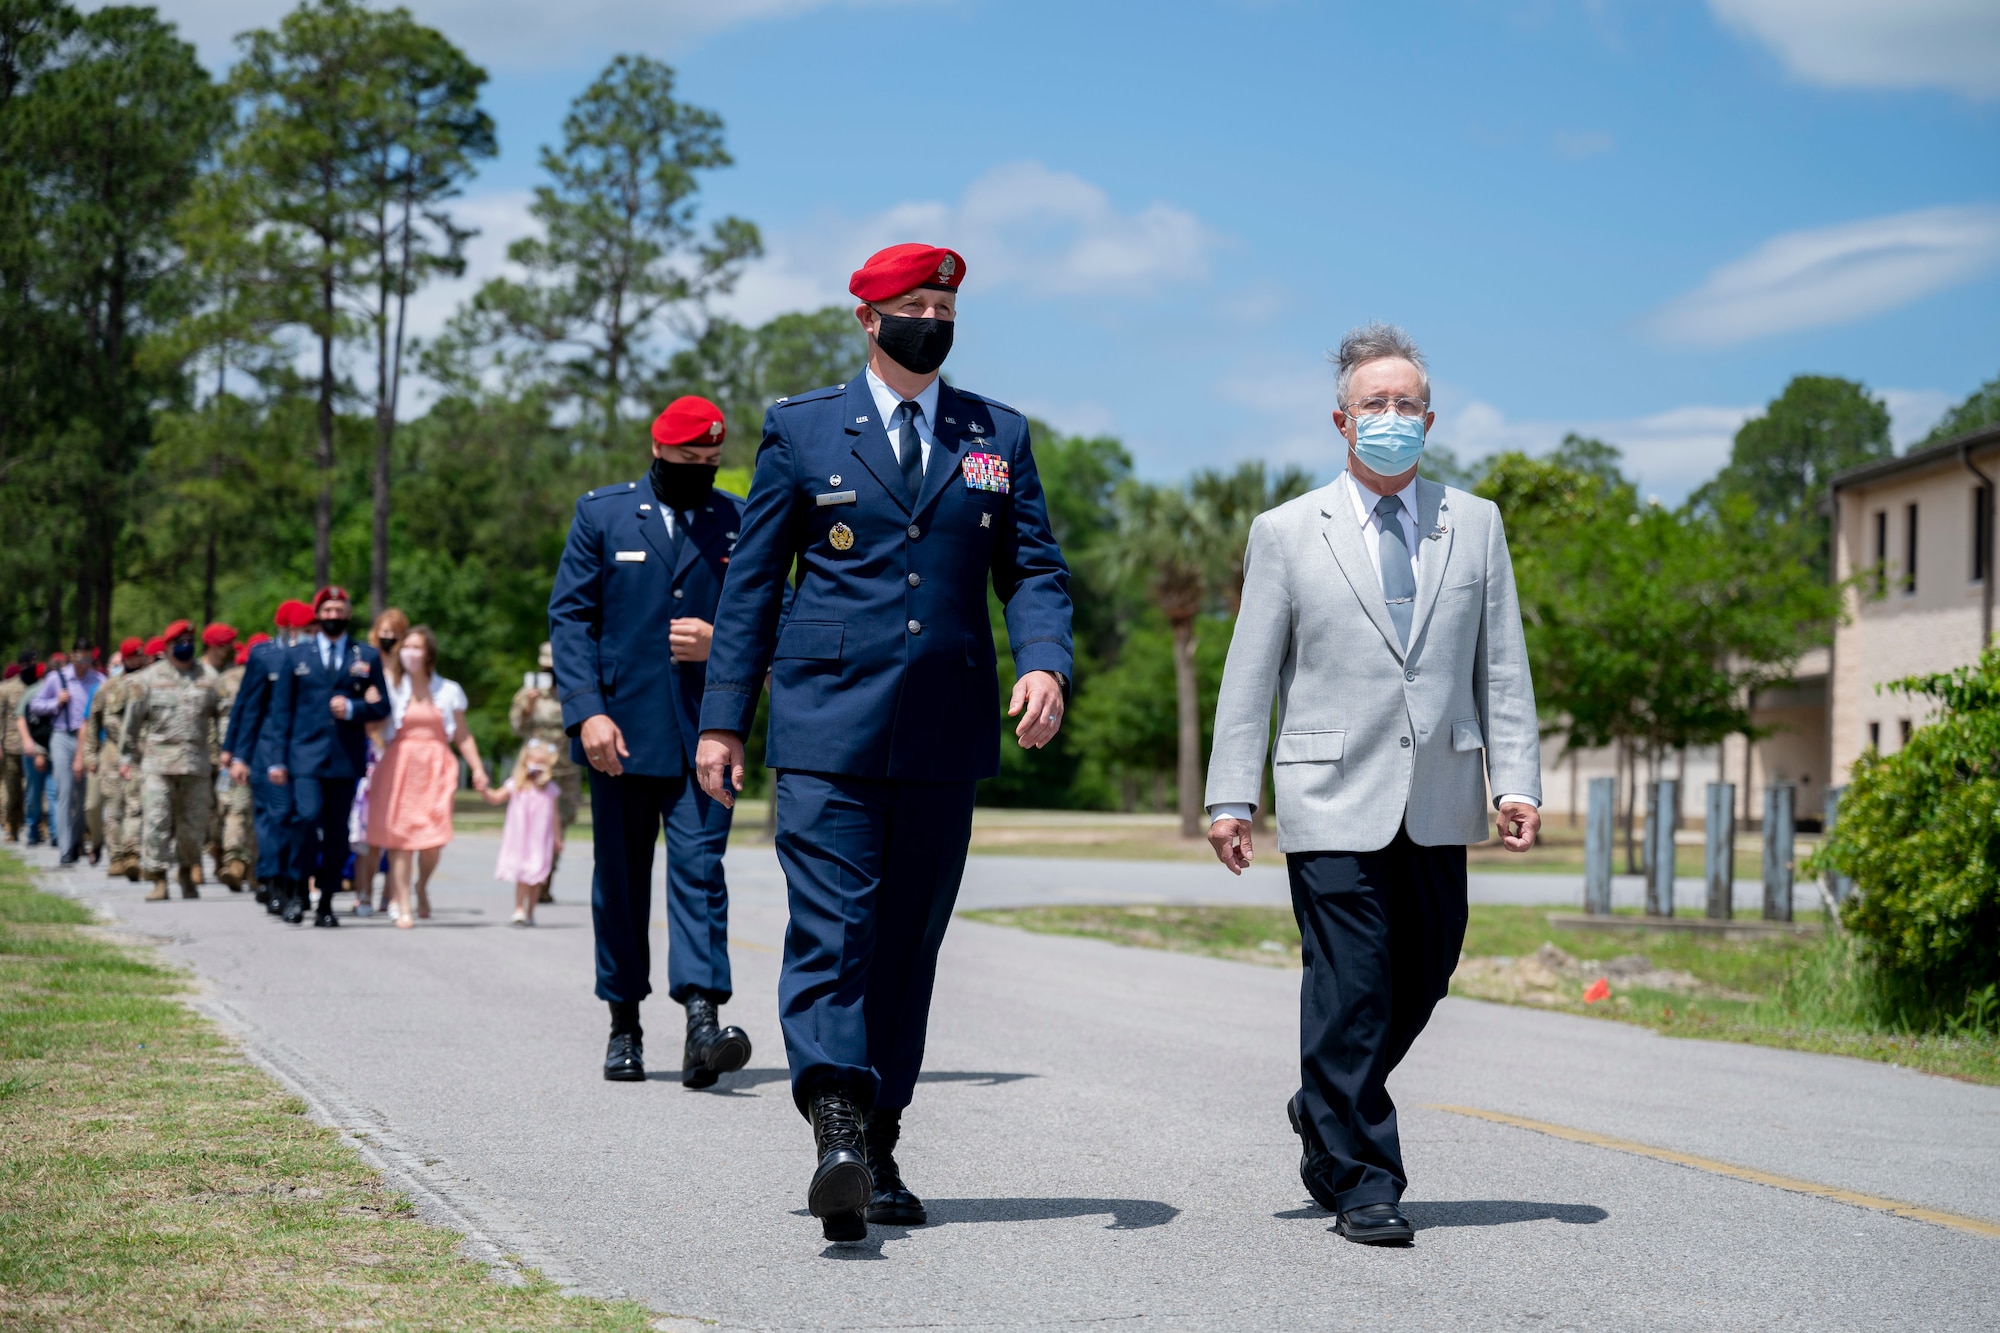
297, 896
325, 915
841, 1184
891, 1204
711, 1049
625, 1055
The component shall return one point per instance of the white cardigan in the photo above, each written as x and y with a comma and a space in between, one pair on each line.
446, 694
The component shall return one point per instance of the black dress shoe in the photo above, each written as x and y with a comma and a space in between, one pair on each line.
1376, 1224
844, 1228
711, 1049
625, 1056
841, 1183
325, 917
295, 903
891, 1204
1316, 1166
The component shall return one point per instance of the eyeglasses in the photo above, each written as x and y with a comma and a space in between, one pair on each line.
1402, 407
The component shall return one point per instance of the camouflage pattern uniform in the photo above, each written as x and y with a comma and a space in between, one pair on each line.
13, 782
231, 839
102, 731
170, 735
536, 714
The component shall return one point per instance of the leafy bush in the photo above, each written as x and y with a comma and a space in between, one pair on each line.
1919, 833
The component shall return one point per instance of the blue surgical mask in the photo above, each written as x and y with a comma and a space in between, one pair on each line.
1389, 442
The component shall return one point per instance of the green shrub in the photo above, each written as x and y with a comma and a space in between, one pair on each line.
1919, 833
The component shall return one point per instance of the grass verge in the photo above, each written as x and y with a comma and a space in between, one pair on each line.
1796, 993
153, 1179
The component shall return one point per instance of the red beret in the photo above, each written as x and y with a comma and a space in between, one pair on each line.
131, 646
328, 593
154, 647
242, 653
175, 630
292, 614
218, 634
902, 268
690, 420
259, 637
13, 670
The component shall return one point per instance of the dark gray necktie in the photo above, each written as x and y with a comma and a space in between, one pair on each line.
912, 447
1399, 581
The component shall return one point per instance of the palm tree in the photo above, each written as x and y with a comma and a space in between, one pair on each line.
1163, 544
1230, 502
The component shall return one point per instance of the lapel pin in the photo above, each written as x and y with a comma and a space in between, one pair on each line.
833, 480
859, 420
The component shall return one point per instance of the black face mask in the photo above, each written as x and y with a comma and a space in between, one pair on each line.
918, 345
681, 486
334, 628
183, 650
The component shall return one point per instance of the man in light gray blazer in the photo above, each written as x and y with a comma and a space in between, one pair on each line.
1381, 612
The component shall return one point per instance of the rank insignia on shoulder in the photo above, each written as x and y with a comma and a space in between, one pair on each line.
985, 472
840, 537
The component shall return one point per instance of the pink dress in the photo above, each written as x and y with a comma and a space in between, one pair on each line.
410, 792
528, 840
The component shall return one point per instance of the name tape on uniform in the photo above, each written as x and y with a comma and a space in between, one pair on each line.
985, 472
834, 498
634, 556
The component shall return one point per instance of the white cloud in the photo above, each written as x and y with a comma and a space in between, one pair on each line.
1669, 453
1832, 275
1950, 44
1912, 412
520, 34
1020, 225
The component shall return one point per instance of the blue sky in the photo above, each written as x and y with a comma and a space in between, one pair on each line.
1633, 219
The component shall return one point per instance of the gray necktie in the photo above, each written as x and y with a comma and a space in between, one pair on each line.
1399, 581
912, 446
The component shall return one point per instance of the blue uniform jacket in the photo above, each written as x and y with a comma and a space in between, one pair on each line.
881, 653
253, 702
616, 589
302, 734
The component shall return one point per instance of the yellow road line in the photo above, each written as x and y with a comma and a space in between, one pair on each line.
1957, 1222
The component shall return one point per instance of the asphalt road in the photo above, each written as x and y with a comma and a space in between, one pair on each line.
1100, 1137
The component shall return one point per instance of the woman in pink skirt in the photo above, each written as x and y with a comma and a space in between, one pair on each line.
411, 790
533, 832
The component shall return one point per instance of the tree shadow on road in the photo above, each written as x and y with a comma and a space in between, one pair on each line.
1477, 1213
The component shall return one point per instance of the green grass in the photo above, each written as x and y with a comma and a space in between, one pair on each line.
152, 1179
1807, 990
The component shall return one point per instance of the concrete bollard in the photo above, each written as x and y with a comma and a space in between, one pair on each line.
1599, 833
1662, 800
1838, 886
1778, 852
1719, 859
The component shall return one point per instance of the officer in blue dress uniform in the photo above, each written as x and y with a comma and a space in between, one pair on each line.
897, 498
270, 803
630, 621
328, 689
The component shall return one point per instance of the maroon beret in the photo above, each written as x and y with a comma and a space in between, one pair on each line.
903, 268
690, 420
132, 647
154, 647
175, 630
327, 594
218, 634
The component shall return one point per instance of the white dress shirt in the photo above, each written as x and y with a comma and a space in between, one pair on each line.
331, 651
1365, 501
887, 400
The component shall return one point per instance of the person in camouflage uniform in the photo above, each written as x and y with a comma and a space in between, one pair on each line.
102, 731
230, 841
170, 734
13, 781
536, 715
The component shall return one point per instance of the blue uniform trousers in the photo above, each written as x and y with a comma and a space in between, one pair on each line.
1381, 933
872, 868
626, 813
271, 806
316, 832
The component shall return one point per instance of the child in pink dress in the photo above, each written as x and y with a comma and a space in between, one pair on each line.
532, 834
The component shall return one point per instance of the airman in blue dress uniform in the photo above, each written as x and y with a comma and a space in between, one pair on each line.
328, 689
896, 498
630, 621
270, 803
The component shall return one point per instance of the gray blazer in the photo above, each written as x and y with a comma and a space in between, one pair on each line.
1371, 737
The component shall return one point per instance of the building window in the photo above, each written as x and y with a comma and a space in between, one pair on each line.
1909, 548
1903, 727
1982, 532
1881, 579
1875, 736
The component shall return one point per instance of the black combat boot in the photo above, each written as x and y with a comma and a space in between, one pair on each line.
273, 894
625, 1056
325, 915
297, 898
711, 1049
891, 1204
841, 1185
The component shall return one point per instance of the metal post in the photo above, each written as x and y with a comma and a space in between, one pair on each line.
1838, 886
1598, 836
1660, 804
1719, 861
1778, 851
